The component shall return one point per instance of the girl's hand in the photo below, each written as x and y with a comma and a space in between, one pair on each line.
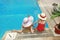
46, 28
35, 22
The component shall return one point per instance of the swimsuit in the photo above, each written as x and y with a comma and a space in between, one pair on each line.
40, 27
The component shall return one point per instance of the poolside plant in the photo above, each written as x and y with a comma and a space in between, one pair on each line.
56, 13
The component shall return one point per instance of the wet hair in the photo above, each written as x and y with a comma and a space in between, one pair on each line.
59, 26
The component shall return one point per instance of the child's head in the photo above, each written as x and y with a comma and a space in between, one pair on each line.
42, 16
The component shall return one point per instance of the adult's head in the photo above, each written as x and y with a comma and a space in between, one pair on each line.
29, 21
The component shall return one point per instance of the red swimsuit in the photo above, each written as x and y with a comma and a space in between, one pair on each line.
40, 27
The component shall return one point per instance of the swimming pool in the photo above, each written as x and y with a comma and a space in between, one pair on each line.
12, 13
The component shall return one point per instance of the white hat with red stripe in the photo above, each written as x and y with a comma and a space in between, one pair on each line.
42, 16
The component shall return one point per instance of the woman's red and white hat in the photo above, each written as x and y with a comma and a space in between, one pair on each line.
42, 16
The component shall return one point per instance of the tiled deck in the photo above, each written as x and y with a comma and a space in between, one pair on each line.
47, 34
34, 35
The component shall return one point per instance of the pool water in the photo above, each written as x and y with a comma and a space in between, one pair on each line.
12, 13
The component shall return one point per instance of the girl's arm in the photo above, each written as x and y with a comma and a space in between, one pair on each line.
36, 22
46, 26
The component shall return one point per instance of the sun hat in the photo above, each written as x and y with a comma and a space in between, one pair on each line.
29, 21
42, 16
30, 18
25, 20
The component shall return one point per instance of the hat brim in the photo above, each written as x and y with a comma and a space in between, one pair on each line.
28, 24
41, 17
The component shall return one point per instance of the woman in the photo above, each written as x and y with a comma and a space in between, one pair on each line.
27, 24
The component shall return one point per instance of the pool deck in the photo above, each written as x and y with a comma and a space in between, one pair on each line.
46, 7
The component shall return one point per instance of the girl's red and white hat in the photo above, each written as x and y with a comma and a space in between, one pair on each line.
42, 16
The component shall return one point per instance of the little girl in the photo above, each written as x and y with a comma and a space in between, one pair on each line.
41, 22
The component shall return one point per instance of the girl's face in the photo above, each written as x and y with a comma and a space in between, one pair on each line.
42, 21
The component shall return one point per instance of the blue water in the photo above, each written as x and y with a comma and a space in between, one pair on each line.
12, 13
